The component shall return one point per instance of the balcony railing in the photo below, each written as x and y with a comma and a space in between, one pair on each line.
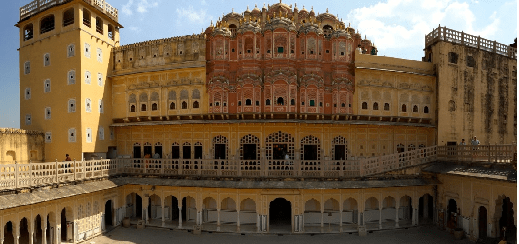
450, 35
37, 6
30, 175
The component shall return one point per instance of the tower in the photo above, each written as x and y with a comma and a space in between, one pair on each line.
65, 48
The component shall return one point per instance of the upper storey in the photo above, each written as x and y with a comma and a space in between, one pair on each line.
38, 6
42, 19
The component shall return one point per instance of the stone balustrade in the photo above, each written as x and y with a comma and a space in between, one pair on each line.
450, 35
20, 176
37, 6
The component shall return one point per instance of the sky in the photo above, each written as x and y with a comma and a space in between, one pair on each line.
397, 27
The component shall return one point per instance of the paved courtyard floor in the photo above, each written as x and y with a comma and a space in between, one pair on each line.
420, 235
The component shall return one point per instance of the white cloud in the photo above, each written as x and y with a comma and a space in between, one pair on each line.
402, 24
141, 6
193, 16
127, 8
135, 29
203, 2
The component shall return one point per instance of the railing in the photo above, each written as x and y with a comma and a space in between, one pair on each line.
37, 6
446, 34
481, 153
28, 175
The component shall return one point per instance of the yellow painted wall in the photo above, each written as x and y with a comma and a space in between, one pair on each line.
56, 43
363, 140
21, 146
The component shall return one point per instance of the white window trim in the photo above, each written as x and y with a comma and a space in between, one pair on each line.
99, 55
101, 106
45, 84
101, 133
72, 138
50, 114
88, 53
28, 119
88, 138
44, 62
69, 109
100, 79
73, 53
27, 66
88, 108
48, 134
70, 73
88, 80
27, 96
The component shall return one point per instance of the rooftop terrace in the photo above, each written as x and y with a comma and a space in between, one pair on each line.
450, 35
38, 6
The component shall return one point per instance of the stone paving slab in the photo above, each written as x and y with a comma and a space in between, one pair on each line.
422, 235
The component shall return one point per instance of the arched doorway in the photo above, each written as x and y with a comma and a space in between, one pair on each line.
38, 233
280, 214
108, 214
24, 231
425, 209
8, 232
172, 203
138, 206
482, 222
154, 207
452, 209
64, 224
506, 225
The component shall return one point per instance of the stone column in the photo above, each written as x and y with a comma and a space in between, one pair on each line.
180, 217
163, 219
31, 235
145, 206
238, 221
2, 240
379, 218
416, 216
218, 220
396, 217
258, 222
44, 231
426, 206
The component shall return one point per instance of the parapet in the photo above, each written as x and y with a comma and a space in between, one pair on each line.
19, 131
156, 53
37, 6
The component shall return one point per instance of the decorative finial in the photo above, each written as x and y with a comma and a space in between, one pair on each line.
326, 10
279, 1
348, 24
255, 5
232, 10
247, 7
365, 37
295, 5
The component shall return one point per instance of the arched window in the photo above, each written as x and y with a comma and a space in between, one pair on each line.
143, 107
99, 25
68, 17
386, 106
343, 105
111, 32
364, 105
415, 109
293, 102
375, 106
280, 101
28, 32
132, 108
47, 24
239, 103
184, 105
196, 104
404, 108
248, 102
154, 107
267, 102
425, 110
86, 18
172, 106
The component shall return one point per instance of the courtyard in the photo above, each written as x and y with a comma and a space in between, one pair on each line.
421, 234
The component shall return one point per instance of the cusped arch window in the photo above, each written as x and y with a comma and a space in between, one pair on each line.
404, 108
143, 107
47, 24
172, 106
196, 104
154, 107
132, 108
426, 110
375, 106
267, 102
280, 101
184, 105
415, 109
248, 102
386, 106
364, 105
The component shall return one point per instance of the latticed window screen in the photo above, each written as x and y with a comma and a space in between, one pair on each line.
71, 51
184, 95
279, 138
196, 94
220, 140
310, 141
172, 95
71, 78
340, 141
46, 86
249, 139
72, 135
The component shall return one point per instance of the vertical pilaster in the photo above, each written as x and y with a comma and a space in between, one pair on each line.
163, 219
180, 217
218, 220
238, 221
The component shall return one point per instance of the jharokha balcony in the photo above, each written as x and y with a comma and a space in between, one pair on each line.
21, 176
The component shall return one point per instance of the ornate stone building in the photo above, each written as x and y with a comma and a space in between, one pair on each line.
274, 120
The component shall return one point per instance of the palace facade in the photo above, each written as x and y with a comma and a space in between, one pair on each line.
272, 120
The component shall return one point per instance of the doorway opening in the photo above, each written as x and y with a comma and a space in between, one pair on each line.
280, 213
108, 214
482, 222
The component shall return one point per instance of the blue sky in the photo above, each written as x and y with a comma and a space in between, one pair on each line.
397, 27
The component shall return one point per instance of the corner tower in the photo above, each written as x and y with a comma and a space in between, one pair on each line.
65, 48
